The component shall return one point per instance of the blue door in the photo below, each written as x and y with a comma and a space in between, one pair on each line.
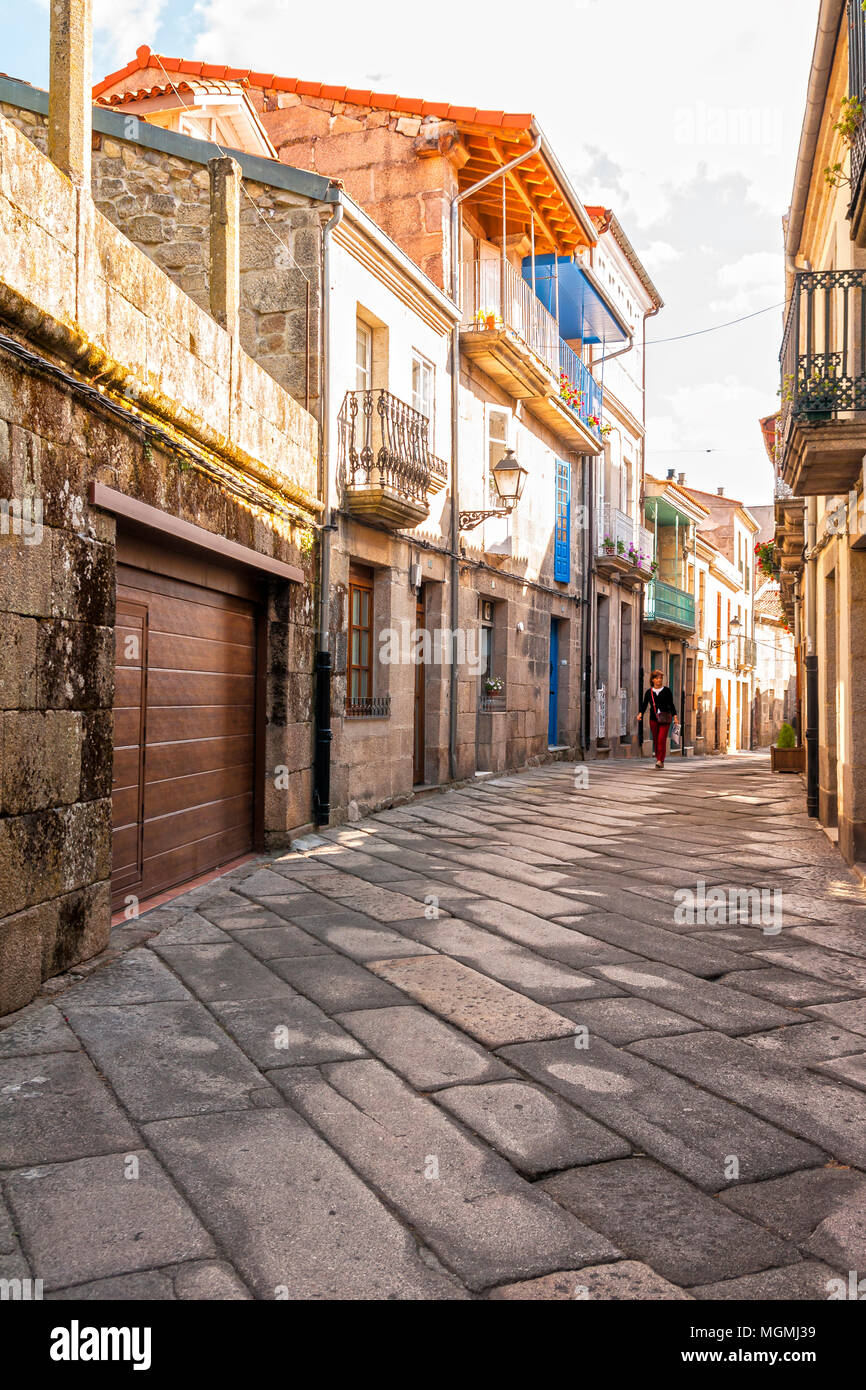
553, 719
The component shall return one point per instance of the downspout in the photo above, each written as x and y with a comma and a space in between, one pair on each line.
589, 600
456, 295
811, 661
641, 674
324, 664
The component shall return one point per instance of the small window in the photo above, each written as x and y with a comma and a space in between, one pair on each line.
497, 443
359, 686
422, 386
363, 356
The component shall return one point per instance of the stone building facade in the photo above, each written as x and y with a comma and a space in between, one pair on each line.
141, 452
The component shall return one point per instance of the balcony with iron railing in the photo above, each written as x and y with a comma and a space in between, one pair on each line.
823, 364
508, 331
387, 471
667, 607
623, 547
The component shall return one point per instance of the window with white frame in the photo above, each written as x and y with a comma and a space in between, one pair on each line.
498, 422
422, 385
363, 356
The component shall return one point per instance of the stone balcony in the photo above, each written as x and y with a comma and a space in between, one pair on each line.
388, 473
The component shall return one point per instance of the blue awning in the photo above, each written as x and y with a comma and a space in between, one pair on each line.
582, 311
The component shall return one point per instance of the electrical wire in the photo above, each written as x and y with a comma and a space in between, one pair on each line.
656, 342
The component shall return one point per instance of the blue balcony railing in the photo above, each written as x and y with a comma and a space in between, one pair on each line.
579, 389
664, 603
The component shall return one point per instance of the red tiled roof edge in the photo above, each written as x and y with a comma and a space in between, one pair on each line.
388, 101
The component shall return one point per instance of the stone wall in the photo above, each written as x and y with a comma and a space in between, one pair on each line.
184, 422
161, 203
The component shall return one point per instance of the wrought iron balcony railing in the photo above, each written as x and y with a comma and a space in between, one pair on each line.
368, 706
857, 89
385, 445
664, 603
619, 535
823, 357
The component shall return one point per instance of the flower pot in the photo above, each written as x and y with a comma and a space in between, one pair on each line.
788, 759
490, 321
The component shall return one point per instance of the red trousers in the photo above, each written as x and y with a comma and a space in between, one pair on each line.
660, 739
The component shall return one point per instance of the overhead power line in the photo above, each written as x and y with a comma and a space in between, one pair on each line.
656, 342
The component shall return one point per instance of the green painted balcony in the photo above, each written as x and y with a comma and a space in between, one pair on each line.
666, 606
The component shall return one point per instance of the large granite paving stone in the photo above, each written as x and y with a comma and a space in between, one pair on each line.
40, 1030
713, 1005
625, 1019
833, 966
289, 1032
168, 1059
421, 1048
479, 1006
382, 904
623, 1281
851, 1015
785, 987
811, 1106
264, 883
232, 912
851, 1070
279, 942
571, 947
655, 944
222, 972
653, 1215
290, 1214
533, 975
806, 1282
98, 1217
362, 939
806, 1043
210, 1280
692, 1132
823, 1210
192, 929
337, 984
55, 1107
469, 1205
536, 1131
138, 978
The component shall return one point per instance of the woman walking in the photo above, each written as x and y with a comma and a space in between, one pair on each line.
660, 701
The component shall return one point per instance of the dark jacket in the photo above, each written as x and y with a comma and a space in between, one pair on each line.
664, 701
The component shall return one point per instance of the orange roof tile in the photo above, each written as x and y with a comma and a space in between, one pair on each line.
389, 101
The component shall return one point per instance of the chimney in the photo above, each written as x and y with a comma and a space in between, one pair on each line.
672, 473
70, 100
720, 491
681, 479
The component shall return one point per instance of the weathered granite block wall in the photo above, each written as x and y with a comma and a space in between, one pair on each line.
56, 692
161, 203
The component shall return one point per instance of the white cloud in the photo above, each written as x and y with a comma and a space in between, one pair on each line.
120, 25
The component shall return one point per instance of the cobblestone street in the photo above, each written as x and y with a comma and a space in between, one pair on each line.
478, 1046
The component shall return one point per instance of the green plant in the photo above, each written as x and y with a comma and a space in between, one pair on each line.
847, 126
787, 737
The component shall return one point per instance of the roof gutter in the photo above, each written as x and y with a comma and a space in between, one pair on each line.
829, 19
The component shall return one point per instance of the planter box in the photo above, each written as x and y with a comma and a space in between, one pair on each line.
788, 759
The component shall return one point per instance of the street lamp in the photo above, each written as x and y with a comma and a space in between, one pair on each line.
509, 479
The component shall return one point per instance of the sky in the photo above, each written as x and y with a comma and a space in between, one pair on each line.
684, 117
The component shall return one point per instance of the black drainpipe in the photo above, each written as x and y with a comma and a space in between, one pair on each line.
324, 663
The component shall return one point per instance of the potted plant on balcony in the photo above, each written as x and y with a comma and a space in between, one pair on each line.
620, 547
767, 553
493, 685
487, 318
608, 545
570, 393
785, 756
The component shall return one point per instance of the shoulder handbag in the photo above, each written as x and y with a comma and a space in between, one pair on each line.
661, 716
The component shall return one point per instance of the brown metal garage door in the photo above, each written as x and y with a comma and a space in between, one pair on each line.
184, 731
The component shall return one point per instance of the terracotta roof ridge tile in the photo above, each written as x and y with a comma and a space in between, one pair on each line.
390, 101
